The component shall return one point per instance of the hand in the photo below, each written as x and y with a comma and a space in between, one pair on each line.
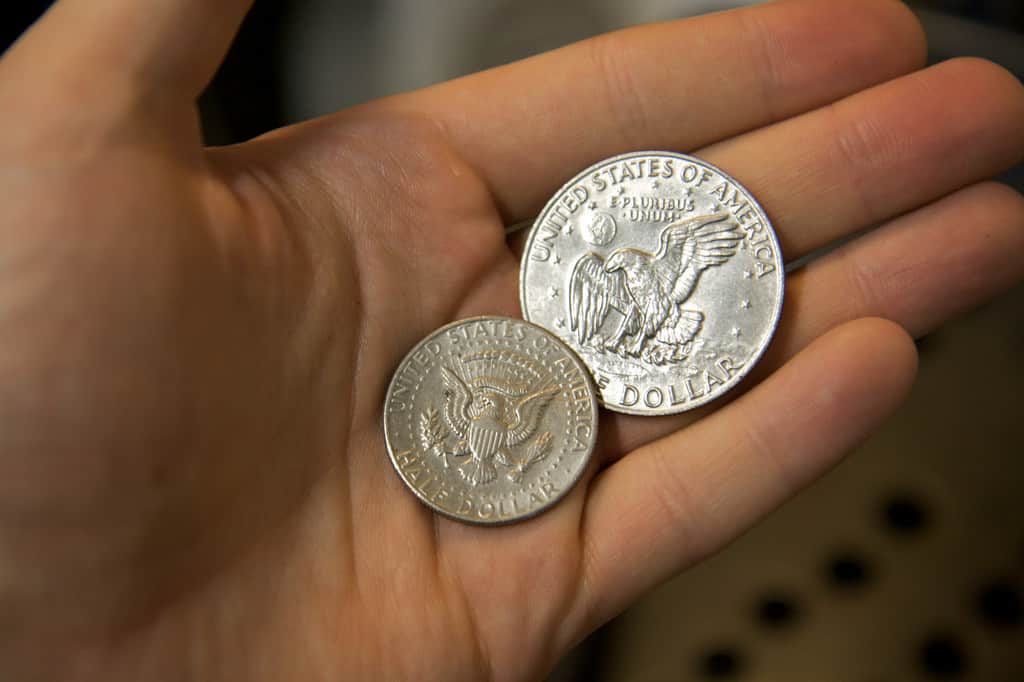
196, 343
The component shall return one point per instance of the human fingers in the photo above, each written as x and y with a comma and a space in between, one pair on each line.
879, 153
138, 48
912, 146
678, 499
840, 169
680, 85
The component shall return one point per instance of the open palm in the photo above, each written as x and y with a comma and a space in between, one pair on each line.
193, 482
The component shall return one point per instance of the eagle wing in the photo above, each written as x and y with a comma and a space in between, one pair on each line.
527, 413
592, 291
714, 241
457, 398
690, 247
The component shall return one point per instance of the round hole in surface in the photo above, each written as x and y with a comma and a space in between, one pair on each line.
721, 663
849, 571
777, 610
905, 514
942, 656
1000, 604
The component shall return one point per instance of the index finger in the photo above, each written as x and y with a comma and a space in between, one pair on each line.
679, 85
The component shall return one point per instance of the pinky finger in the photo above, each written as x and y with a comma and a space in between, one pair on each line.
677, 499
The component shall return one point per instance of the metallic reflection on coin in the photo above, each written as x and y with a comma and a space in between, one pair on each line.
662, 272
490, 420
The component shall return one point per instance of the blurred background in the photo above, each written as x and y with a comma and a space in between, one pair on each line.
907, 561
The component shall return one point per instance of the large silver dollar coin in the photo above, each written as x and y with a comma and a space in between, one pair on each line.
662, 272
490, 420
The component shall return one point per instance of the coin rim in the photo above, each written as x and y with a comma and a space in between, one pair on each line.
773, 326
594, 413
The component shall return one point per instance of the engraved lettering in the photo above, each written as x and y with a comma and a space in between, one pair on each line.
690, 173
400, 397
689, 390
711, 380
564, 365
540, 253
638, 215
414, 472
630, 395
654, 397
727, 366
547, 236
440, 495
582, 435
599, 184
736, 202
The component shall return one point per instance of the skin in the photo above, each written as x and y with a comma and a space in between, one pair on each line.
195, 343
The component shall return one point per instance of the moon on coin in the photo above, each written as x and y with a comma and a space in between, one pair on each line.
600, 230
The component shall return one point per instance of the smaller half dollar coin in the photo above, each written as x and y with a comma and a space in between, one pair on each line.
490, 420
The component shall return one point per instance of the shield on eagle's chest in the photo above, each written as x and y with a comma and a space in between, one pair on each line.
486, 436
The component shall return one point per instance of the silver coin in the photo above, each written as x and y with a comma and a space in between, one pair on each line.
490, 420
662, 273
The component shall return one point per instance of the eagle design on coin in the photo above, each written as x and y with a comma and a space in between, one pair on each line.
648, 290
493, 403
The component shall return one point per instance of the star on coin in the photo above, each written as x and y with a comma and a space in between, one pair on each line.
620, 190
560, 322
655, 184
553, 292
568, 228
716, 207
688, 191
736, 333
592, 205
557, 260
745, 304
747, 274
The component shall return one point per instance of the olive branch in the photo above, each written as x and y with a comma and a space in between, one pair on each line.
433, 434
